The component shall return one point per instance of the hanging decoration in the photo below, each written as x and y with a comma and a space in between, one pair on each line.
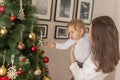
3, 30
40, 43
12, 18
46, 78
2, 7
12, 73
4, 78
45, 59
23, 60
20, 72
3, 70
21, 15
34, 48
21, 45
47, 69
32, 34
37, 71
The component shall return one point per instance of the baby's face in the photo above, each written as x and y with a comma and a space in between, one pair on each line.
74, 34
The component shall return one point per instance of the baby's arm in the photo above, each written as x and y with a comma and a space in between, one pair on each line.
61, 46
65, 45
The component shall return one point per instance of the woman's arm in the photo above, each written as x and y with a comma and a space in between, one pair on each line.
88, 72
72, 57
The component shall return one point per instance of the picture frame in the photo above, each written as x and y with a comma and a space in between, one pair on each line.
43, 28
61, 32
84, 10
86, 30
64, 10
44, 11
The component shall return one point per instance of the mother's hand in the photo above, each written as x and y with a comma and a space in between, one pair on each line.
72, 57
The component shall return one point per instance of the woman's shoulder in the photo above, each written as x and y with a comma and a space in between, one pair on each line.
89, 62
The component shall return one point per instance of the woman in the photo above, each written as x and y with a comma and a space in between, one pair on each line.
104, 51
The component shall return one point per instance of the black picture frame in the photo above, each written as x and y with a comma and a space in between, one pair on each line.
64, 10
86, 30
84, 10
43, 9
61, 32
43, 28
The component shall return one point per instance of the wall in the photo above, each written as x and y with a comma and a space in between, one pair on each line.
59, 60
117, 18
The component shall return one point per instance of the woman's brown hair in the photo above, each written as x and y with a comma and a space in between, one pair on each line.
105, 43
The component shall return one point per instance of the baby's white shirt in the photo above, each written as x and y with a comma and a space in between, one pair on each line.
82, 48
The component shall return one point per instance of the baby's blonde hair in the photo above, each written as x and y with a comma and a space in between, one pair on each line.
77, 24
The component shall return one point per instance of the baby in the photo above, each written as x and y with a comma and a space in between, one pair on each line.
77, 36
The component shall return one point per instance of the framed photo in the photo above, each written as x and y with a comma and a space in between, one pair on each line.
41, 28
84, 10
87, 30
61, 32
43, 9
64, 10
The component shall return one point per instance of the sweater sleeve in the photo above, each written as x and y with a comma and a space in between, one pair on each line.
65, 45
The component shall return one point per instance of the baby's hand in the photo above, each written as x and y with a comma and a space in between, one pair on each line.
51, 44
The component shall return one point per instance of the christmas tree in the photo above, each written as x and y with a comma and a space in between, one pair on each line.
21, 43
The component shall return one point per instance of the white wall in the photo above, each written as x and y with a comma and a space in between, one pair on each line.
104, 7
117, 18
59, 60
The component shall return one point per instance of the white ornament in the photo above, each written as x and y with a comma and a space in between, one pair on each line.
12, 73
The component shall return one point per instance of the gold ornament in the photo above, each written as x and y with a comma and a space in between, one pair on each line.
3, 70
32, 35
46, 78
37, 71
3, 31
21, 46
21, 15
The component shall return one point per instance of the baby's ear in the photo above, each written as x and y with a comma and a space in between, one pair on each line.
81, 31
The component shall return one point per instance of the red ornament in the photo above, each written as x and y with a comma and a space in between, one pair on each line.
43, 51
2, 9
45, 59
4, 78
12, 18
19, 72
34, 48
23, 60
47, 69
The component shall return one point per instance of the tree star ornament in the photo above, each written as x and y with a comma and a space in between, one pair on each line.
21, 15
12, 72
